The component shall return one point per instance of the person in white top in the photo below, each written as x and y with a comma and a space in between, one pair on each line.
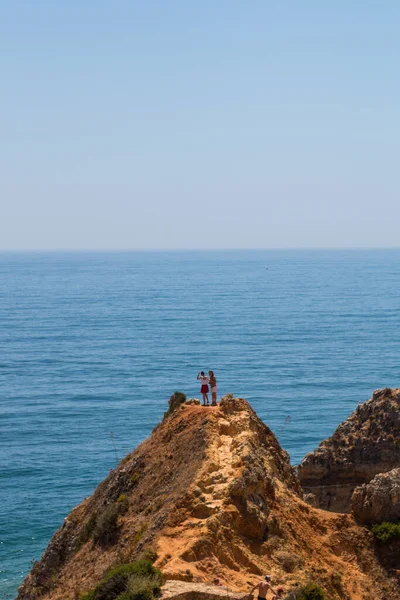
204, 387
213, 386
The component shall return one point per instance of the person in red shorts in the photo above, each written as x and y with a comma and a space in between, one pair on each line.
204, 387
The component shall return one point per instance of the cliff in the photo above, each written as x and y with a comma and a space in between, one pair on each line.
364, 445
211, 494
378, 500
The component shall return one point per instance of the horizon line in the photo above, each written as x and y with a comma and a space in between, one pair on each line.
227, 249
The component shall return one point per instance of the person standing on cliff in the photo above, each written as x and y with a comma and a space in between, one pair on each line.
263, 588
213, 386
204, 387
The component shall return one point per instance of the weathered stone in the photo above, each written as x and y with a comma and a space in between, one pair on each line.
183, 590
212, 495
364, 445
311, 499
378, 500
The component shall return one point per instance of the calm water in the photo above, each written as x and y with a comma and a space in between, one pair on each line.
92, 346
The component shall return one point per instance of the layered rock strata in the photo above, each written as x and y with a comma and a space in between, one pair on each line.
213, 495
366, 444
378, 500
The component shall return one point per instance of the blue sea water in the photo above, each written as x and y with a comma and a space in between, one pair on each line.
93, 344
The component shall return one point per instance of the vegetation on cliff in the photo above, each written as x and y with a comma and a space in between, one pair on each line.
139, 580
386, 532
211, 494
311, 591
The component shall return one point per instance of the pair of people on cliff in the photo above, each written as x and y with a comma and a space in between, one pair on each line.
211, 379
263, 587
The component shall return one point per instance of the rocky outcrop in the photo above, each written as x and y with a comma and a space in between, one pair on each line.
378, 500
363, 446
193, 402
212, 495
182, 590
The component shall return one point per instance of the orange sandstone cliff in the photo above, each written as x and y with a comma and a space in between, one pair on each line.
363, 446
213, 495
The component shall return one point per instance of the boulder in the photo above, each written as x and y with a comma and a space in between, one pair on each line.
183, 590
378, 500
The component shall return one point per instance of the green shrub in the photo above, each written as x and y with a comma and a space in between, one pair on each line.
149, 554
290, 562
174, 402
90, 525
106, 529
140, 533
107, 590
123, 504
134, 581
337, 582
142, 567
386, 532
180, 397
86, 531
135, 479
143, 588
311, 591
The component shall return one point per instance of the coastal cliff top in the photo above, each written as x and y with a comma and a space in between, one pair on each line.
367, 439
211, 494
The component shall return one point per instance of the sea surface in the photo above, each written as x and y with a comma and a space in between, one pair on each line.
93, 344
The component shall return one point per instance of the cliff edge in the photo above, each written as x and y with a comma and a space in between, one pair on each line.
364, 445
211, 494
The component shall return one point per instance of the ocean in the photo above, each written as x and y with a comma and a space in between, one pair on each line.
92, 345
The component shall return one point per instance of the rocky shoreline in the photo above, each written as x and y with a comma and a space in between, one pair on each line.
211, 496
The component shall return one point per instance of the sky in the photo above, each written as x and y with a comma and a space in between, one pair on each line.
168, 124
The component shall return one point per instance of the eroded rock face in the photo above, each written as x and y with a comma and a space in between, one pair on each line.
363, 446
182, 590
378, 500
214, 496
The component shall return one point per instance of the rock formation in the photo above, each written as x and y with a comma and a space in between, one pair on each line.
378, 500
211, 494
182, 590
363, 446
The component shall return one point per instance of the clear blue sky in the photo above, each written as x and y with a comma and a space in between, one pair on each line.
212, 124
